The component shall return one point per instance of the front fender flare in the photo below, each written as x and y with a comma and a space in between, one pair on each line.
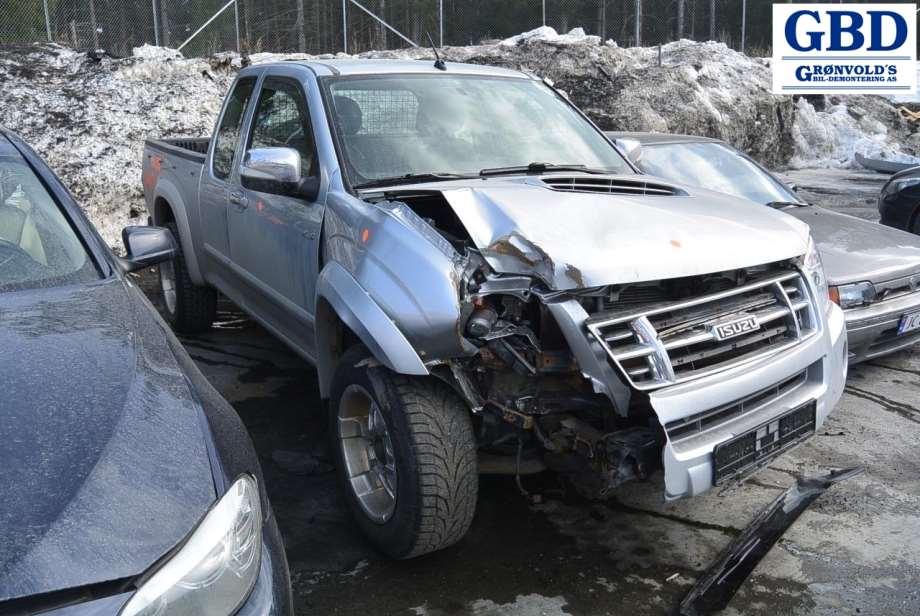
363, 316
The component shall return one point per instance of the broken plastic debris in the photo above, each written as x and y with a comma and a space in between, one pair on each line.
716, 587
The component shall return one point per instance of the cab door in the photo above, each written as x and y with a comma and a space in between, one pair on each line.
274, 239
217, 178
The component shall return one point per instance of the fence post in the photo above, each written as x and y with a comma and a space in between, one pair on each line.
156, 23
92, 23
743, 22
638, 23
712, 20
236, 21
680, 18
47, 21
441, 23
345, 26
544, 12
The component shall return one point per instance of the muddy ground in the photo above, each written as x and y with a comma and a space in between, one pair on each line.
855, 551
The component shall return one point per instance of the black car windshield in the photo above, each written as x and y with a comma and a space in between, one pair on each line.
38, 247
714, 166
444, 126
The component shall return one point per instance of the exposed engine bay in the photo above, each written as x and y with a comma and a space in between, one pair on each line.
534, 406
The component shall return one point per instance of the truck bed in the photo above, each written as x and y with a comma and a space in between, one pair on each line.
191, 148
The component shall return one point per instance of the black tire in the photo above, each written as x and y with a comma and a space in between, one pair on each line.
194, 307
435, 458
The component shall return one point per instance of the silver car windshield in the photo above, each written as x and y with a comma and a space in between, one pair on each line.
407, 125
716, 167
38, 247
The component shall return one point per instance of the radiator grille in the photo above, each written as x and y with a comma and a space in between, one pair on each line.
671, 342
614, 186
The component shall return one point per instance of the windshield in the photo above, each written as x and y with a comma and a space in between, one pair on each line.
714, 166
38, 248
400, 125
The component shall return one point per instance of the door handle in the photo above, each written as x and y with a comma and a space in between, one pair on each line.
239, 200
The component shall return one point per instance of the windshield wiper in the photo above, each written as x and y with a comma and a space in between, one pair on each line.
411, 178
539, 168
778, 205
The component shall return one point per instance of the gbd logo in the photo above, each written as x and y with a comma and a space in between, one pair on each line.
829, 48
846, 30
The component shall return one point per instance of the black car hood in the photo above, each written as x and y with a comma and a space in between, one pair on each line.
104, 465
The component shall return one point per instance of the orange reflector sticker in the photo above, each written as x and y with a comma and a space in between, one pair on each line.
676, 244
365, 235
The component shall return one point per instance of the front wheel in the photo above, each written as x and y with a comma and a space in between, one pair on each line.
189, 308
406, 457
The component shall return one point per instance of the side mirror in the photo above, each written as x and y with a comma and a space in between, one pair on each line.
146, 246
632, 148
272, 170
794, 187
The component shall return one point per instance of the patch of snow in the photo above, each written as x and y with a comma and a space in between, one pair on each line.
547, 34
523, 605
152, 52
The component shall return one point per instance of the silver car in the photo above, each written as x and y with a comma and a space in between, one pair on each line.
873, 270
486, 285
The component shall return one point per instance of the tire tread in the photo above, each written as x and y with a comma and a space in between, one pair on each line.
442, 436
196, 306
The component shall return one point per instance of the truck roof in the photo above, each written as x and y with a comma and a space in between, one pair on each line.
352, 67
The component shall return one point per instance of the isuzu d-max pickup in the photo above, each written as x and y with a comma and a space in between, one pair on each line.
486, 284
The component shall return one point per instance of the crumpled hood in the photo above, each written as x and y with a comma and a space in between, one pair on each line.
573, 240
855, 250
104, 462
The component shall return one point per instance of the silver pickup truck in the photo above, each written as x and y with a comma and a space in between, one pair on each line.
485, 284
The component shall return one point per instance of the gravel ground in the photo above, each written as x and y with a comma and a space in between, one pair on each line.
855, 551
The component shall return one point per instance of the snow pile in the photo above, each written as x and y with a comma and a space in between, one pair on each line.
89, 118
547, 34
832, 137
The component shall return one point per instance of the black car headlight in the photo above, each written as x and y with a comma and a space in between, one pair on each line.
216, 568
853, 295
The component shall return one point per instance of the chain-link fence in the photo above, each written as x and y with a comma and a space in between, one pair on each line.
202, 27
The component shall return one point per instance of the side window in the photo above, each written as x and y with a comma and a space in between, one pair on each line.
228, 133
282, 121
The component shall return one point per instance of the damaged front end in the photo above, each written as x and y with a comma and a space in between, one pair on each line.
608, 383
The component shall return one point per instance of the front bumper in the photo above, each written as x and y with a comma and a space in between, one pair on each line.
688, 463
873, 330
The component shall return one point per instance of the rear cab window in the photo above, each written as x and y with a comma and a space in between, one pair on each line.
38, 246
